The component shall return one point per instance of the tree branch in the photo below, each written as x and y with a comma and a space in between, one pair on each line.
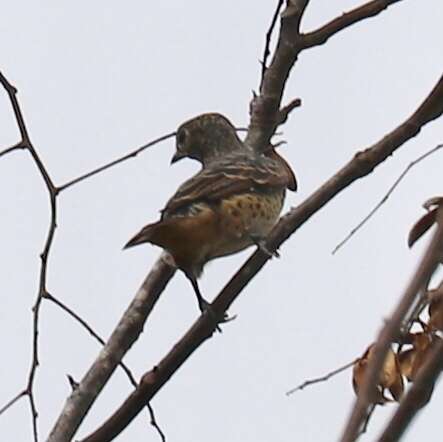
362, 164
129, 155
265, 112
125, 334
323, 378
19, 146
123, 366
25, 143
267, 52
391, 331
264, 108
324, 33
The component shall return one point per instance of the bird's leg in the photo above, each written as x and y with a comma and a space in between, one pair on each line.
260, 242
204, 305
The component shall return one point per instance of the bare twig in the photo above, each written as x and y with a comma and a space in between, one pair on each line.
286, 110
362, 164
368, 418
323, 378
385, 197
11, 402
19, 146
25, 143
391, 331
322, 35
90, 330
267, 51
119, 160
129, 155
124, 367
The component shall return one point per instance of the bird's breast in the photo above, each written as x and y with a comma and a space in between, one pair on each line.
244, 216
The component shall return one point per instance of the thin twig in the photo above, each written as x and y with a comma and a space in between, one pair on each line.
367, 420
90, 330
129, 155
11, 402
322, 34
18, 146
324, 378
267, 52
123, 366
25, 143
385, 197
125, 157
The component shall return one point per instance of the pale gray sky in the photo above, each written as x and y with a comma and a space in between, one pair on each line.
97, 79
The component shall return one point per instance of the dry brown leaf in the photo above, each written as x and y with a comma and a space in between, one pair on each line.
407, 363
421, 227
412, 359
390, 376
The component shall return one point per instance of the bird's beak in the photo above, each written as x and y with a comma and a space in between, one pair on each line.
177, 156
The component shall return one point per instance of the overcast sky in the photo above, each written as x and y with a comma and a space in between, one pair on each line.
97, 79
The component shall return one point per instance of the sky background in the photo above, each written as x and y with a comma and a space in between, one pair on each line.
97, 79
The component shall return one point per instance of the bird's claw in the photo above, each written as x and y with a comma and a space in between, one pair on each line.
206, 308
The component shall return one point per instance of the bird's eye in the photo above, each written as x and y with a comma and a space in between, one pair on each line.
181, 138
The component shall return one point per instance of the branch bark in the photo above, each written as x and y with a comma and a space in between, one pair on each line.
125, 334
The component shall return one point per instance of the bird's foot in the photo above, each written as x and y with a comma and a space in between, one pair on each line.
206, 308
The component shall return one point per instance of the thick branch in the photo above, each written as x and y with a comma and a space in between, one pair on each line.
125, 334
362, 164
265, 107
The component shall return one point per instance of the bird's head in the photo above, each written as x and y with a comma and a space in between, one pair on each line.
205, 138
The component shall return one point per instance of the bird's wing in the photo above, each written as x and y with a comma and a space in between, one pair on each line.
285, 167
230, 177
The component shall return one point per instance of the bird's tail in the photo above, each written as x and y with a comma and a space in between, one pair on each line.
166, 233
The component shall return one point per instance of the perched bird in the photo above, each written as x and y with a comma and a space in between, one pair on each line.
232, 203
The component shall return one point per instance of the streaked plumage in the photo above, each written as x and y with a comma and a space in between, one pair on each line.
234, 200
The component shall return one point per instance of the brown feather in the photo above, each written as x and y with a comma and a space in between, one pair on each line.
187, 238
235, 174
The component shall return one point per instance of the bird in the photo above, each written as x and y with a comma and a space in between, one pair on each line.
230, 204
